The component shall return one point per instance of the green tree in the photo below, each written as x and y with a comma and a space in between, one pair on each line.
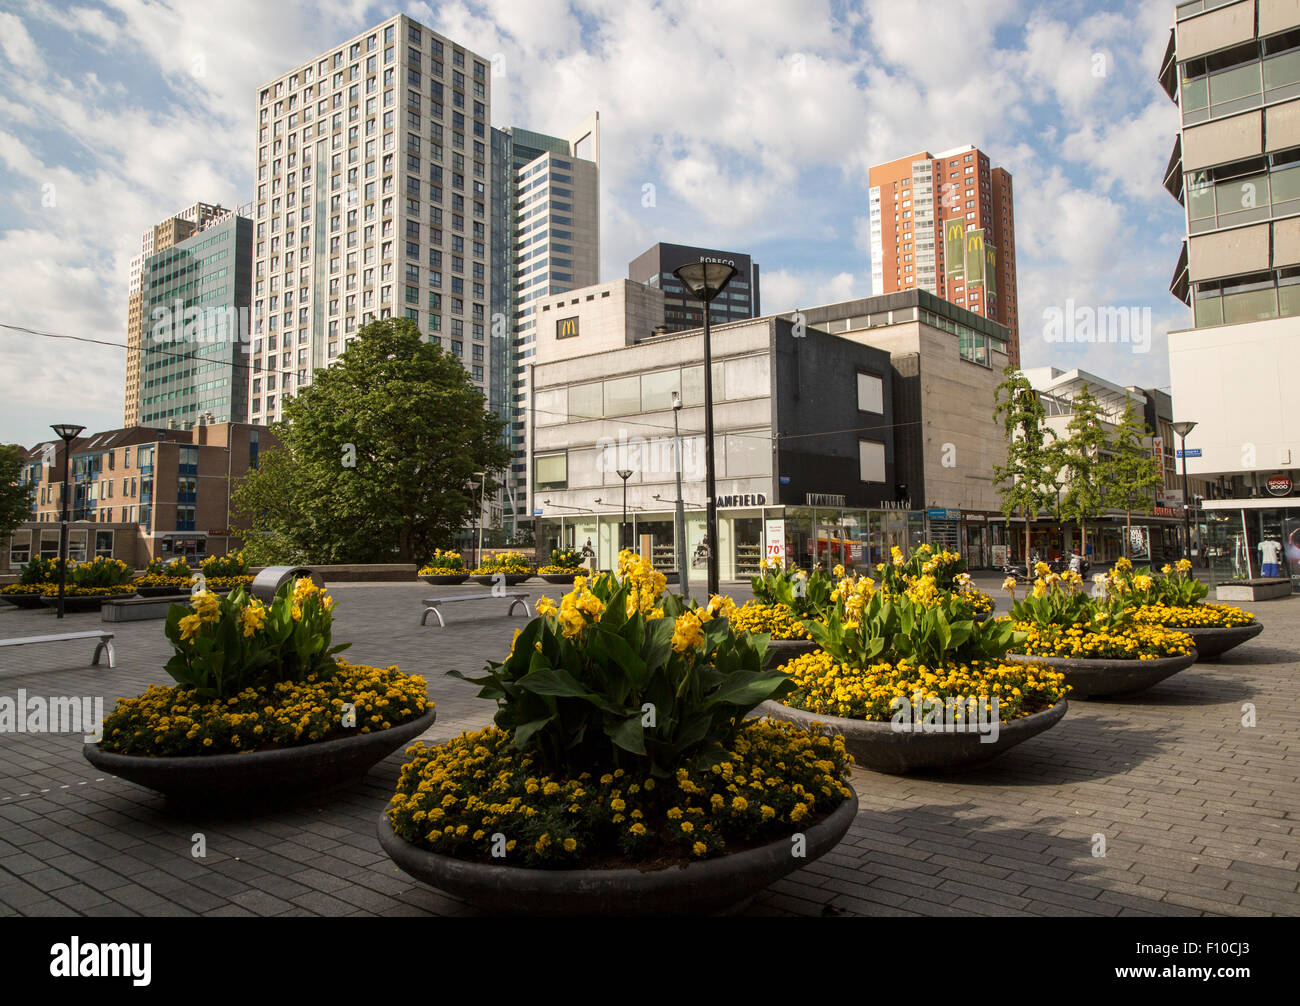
377, 456
1028, 479
15, 499
1131, 473
1081, 455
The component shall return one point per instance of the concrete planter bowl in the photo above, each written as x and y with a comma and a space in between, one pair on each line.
512, 579
877, 746
1214, 641
1100, 678
75, 604
227, 779
780, 651
707, 887
562, 579
444, 579
23, 600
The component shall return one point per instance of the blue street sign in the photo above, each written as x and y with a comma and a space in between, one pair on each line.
1190, 452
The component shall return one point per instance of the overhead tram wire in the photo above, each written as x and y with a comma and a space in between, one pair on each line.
281, 370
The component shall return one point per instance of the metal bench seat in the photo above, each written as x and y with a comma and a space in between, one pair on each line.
432, 604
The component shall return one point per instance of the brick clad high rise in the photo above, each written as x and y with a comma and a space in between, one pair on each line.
943, 223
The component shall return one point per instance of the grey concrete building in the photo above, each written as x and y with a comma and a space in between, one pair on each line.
839, 432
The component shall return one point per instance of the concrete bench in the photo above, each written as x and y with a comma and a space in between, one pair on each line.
105, 644
432, 604
140, 609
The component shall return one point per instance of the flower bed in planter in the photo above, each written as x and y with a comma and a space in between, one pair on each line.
157, 585
621, 776
445, 568
511, 565
79, 599
565, 565
789, 637
1096, 642
912, 686
1215, 628
25, 595
262, 706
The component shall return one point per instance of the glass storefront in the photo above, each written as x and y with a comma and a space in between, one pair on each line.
1233, 539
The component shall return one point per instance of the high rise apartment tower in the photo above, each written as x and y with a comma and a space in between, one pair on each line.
372, 200
945, 223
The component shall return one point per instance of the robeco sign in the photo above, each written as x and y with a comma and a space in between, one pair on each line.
1279, 485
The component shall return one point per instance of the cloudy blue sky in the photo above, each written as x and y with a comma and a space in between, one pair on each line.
756, 125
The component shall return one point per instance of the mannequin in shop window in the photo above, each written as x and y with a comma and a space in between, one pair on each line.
1270, 551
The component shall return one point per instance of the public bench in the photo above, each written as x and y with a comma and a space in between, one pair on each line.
105, 644
432, 604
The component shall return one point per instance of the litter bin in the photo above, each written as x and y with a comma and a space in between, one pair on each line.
272, 578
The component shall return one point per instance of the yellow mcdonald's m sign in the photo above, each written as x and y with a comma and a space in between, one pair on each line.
974, 257
566, 328
954, 233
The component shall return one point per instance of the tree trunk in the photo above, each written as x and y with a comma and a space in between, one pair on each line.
1128, 531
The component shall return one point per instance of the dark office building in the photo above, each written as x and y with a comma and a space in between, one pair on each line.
682, 311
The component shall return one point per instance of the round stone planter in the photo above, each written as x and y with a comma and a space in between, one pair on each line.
779, 651
1097, 678
512, 579
444, 579
163, 591
707, 887
1215, 641
23, 600
227, 779
75, 604
878, 746
559, 578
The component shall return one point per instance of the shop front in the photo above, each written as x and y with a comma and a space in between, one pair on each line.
807, 537
1239, 536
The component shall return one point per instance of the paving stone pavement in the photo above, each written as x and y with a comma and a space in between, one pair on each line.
1199, 814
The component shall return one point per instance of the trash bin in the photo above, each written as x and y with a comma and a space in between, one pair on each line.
272, 578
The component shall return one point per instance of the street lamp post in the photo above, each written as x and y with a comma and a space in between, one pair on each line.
624, 474
704, 281
679, 519
1182, 429
478, 519
67, 432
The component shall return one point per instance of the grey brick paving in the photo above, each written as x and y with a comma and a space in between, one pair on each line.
1198, 813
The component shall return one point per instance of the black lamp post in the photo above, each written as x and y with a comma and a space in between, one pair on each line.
624, 474
478, 518
1182, 429
704, 281
67, 432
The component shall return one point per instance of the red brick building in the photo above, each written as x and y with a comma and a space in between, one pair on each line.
138, 493
945, 223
